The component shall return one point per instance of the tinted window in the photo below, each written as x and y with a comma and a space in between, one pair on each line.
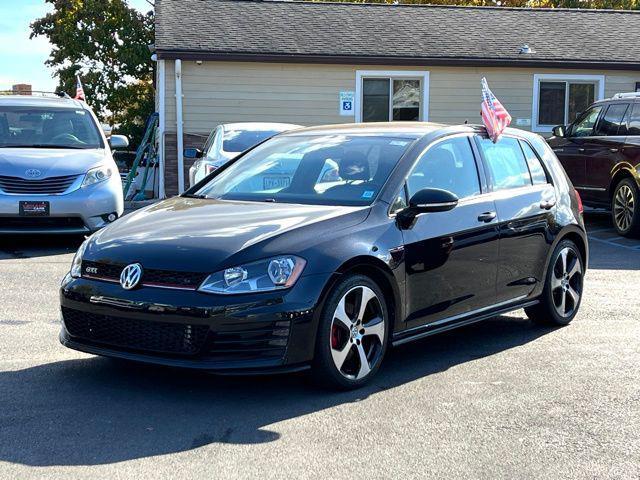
506, 163
312, 169
48, 127
375, 100
584, 126
538, 174
634, 121
449, 165
611, 121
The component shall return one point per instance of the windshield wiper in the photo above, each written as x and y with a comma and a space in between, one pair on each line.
194, 195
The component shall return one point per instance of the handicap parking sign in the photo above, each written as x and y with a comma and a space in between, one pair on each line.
346, 103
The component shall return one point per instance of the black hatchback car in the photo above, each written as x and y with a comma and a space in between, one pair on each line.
425, 228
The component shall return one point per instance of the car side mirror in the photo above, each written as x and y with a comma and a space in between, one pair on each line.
118, 142
192, 153
559, 131
427, 200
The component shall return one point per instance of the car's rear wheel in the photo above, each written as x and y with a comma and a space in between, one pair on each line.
624, 208
352, 336
562, 293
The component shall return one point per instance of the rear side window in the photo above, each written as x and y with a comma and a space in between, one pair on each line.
634, 120
611, 122
448, 165
506, 163
538, 175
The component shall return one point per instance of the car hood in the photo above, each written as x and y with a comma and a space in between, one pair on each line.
51, 162
204, 235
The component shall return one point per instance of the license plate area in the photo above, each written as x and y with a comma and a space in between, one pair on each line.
34, 209
271, 183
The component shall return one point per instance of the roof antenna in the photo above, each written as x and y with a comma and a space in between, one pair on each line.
466, 121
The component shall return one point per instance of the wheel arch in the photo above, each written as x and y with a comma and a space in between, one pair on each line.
620, 175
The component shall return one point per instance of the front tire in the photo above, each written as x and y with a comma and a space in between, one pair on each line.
562, 293
624, 208
352, 334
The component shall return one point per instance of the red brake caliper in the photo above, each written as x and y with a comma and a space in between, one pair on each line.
334, 336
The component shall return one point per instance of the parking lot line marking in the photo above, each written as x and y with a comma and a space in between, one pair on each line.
599, 230
635, 248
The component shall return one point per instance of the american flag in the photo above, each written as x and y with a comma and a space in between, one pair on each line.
79, 89
494, 115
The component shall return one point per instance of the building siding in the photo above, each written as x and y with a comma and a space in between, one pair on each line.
307, 94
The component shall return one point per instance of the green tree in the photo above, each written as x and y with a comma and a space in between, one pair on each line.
106, 43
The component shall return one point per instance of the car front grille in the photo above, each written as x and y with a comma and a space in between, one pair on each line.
150, 278
34, 223
142, 335
251, 340
46, 186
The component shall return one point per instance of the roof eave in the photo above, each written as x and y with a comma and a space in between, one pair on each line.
167, 54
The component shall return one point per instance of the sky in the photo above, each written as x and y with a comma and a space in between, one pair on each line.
22, 60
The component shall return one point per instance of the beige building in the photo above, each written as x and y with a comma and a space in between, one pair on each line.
222, 61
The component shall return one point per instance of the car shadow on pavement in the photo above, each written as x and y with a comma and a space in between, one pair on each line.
31, 246
96, 411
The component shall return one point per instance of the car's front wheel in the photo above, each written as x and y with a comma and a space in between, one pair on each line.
624, 208
353, 334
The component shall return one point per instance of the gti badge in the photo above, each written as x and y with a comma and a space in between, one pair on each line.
33, 173
130, 276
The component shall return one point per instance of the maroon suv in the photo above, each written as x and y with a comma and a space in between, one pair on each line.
601, 153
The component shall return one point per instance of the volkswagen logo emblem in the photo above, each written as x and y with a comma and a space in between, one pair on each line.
33, 173
130, 276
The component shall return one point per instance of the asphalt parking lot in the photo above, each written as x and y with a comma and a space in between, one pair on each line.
499, 399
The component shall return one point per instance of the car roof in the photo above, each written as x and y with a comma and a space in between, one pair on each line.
35, 101
417, 129
259, 126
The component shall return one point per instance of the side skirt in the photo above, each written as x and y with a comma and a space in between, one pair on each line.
458, 321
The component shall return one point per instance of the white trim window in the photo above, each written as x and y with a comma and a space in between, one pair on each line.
386, 96
558, 99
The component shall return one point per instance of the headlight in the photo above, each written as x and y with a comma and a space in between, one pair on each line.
76, 264
262, 276
96, 175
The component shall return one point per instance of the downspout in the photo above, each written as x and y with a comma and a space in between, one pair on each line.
179, 126
162, 123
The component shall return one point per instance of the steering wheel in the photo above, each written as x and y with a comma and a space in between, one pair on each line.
66, 137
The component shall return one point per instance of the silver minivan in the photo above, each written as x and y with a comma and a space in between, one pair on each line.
57, 174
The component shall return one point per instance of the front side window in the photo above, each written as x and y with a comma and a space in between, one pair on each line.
311, 169
391, 99
584, 126
448, 165
47, 127
561, 101
612, 121
506, 163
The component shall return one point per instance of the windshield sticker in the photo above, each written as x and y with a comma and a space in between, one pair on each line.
80, 112
368, 194
398, 143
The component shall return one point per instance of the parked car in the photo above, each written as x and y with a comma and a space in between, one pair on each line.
601, 153
427, 228
228, 141
57, 174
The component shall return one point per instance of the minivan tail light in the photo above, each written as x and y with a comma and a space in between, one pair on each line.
579, 199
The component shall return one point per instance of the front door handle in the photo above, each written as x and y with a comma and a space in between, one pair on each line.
487, 217
581, 150
547, 204
614, 150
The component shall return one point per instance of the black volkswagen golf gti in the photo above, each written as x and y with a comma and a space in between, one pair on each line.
322, 247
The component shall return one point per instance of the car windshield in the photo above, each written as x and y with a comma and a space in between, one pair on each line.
38, 127
324, 170
241, 140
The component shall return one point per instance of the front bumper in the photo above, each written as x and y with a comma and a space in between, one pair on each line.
227, 334
79, 211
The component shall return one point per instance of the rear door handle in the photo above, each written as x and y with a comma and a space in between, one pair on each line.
487, 217
614, 150
581, 150
547, 204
